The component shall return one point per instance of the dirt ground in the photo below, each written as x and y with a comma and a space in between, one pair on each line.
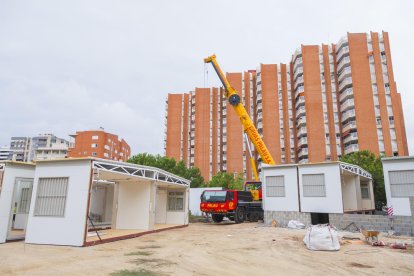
207, 249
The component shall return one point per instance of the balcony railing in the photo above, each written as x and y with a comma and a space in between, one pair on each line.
302, 141
351, 137
345, 82
300, 101
343, 62
341, 52
300, 111
347, 105
345, 72
349, 126
301, 121
347, 93
348, 114
297, 72
301, 131
351, 148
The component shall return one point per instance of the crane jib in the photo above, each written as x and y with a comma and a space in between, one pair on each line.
219, 75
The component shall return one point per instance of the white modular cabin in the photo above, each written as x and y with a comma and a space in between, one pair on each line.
328, 187
280, 188
86, 201
399, 183
16, 183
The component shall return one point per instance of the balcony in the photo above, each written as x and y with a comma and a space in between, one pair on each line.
342, 41
343, 62
351, 137
300, 101
302, 141
348, 104
300, 111
302, 131
303, 152
297, 72
351, 148
258, 96
346, 82
345, 73
346, 94
301, 121
349, 126
344, 50
347, 115
299, 90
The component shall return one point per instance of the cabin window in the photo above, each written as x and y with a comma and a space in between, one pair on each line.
51, 196
402, 183
365, 191
176, 201
275, 186
314, 185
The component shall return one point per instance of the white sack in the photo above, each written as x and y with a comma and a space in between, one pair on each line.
294, 224
321, 237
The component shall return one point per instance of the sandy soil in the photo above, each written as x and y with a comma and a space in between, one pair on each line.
207, 249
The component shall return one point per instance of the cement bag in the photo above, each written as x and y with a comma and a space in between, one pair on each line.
294, 224
321, 237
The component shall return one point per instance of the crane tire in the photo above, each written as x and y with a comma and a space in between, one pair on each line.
240, 215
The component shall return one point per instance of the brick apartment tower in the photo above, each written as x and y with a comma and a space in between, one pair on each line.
330, 100
100, 144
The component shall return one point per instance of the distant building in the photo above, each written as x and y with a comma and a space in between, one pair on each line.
4, 153
20, 149
98, 143
48, 147
41, 147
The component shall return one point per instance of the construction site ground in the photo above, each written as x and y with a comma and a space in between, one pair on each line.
209, 249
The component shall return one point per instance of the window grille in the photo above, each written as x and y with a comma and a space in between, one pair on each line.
24, 201
313, 185
275, 186
175, 201
51, 196
402, 183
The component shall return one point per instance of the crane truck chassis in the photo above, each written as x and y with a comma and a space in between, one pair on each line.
237, 206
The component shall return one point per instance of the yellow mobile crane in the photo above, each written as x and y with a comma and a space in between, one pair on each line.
248, 126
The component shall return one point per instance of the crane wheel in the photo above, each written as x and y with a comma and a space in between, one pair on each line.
240, 215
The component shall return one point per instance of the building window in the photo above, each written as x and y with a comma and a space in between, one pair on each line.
175, 201
94, 145
275, 186
402, 183
106, 154
93, 153
314, 185
95, 137
365, 191
51, 196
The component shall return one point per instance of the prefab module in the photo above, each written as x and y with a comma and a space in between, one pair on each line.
82, 202
329, 187
16, 184
399, 183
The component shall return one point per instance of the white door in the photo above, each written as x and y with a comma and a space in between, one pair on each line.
161, 207
22, 196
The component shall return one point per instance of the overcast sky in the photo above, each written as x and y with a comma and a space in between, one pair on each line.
79, 65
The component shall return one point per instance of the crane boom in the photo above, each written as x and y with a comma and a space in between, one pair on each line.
246, 121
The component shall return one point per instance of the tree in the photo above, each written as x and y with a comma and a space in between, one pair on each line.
372, 164
170, 165
227, 181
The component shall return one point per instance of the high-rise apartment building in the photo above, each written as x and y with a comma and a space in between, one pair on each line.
328, 101
5, 153
100, 144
